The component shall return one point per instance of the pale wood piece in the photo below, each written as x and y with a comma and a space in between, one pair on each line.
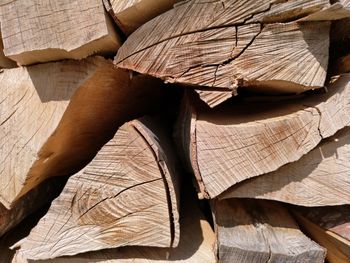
320, 178
4, 61
131, 14
221, 45
39, 31
329, 226
35, 100
124, 197
242, 139
258, 231
196, 244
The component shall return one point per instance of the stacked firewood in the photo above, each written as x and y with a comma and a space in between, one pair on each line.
175, 130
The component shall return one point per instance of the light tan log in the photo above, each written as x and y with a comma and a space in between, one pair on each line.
126, 196
258, 231
196, 244
242, 139
131, 14
35, 102
329, 226
221, 45
38, 31
320, 178
4, 61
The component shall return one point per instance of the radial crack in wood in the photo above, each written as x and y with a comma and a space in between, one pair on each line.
329, 226
239, 140
60, 139
261, 232
126, 196
320, 178
34, 31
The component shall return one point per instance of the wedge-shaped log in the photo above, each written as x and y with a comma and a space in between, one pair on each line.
258, 231
131, 14
38, 31
42, 136
329, 226
320, 178
242, 139
221, 45
127, 195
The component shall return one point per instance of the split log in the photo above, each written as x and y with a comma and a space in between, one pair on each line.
320, 178
258, 231
126, 196
131, 14
196, 244
4, 61
329, 226
35, 100
35, 31
238, 44
242, 139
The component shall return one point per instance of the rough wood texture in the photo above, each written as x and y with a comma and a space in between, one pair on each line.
242, 139
196, 244
39, 31
127, 195
131, 14
329, 226
320, 178
4, 61
261, 232
35, 100
221, 45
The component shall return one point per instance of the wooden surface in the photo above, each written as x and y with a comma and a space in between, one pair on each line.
104, 99
131, 14
320, 178
329, 226
242, 139
121, 198
4, 61
259, 231
39, 31
220, 44
196, 244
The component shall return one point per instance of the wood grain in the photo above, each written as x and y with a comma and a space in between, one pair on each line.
38, 31
259, 231
239, 140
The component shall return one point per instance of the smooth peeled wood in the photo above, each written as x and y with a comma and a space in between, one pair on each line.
261, 232
38, 31
239, 140
196, 244
329, 226
126, 196
42, 136
131, 14
320, 178
221, 45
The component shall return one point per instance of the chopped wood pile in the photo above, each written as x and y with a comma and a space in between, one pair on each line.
175, 131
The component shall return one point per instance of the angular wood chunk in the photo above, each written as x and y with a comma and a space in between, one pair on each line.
35, 101
38, 31
258, 231
320, 178
127, 195
329, 226
242, 139
131, 14
221, 45
4, 61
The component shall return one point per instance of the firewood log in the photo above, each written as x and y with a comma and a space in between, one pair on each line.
42, 136
320, 178
4, 61
242, 139
258, 231
223, 45
38, 31
196, 244
329, 226
131, 14
127, 195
